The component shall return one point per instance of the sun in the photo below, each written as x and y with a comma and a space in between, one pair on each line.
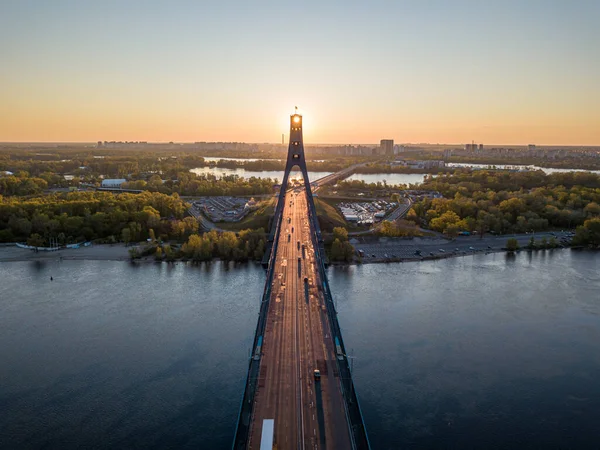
296, 118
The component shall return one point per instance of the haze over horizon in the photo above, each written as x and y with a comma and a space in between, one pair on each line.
510, 72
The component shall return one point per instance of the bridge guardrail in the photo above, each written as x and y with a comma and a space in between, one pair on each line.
354, 416
243, 429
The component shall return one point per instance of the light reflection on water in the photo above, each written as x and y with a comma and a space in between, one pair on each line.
273, 174
484, 351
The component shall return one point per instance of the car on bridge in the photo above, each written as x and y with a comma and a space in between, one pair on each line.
317, 374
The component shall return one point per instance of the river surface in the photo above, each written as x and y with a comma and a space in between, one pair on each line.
216, 159
547, 170
485, 351
274, 174
390, 178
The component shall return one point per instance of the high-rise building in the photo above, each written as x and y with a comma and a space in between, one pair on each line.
387, 146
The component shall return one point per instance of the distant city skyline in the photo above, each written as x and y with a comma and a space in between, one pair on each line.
501, 73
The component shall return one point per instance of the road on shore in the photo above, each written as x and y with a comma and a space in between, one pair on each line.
406, 248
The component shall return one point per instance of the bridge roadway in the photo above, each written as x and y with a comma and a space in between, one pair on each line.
297, 340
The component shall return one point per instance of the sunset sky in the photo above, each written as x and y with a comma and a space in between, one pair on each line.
502, 72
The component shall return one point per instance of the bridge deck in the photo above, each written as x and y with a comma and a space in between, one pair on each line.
296, 341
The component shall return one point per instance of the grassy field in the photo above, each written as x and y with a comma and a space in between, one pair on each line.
259, 218
329, 217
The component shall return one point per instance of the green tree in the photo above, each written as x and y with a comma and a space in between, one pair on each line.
126, 235
512, 245
192, 247
259, 251
35, 240
452, 230
20, 226
337, 250
190, 225
340, 233
133, 253
442, 222
588, 233
169, 253
592, 209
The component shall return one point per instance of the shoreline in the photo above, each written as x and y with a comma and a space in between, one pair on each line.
119, 252
103, 252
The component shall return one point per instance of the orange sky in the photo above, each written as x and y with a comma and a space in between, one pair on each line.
437, 73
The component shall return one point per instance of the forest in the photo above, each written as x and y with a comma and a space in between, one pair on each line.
78, 216
508, 202
228, 246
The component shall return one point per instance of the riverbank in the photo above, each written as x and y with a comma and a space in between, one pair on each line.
375, 250
383, 249
390, 259
108, 252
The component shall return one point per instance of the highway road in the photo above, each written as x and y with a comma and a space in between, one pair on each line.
307, 414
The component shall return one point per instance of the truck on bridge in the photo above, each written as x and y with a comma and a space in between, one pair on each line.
268, 430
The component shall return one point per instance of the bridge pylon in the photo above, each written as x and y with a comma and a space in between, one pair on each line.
295, 158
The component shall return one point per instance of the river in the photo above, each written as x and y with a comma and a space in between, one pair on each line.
484, 351
390, 178
546, 170
274, 174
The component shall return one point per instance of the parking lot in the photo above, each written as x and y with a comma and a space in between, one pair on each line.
224, 209
365, 213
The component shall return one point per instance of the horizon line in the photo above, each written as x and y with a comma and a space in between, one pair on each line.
286, 144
